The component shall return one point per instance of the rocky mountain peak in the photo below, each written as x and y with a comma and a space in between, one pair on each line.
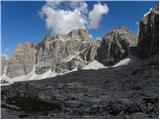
116, 46
148, 40
79, 34
119, 30
154, 10
47, 39
65, 52
23, 60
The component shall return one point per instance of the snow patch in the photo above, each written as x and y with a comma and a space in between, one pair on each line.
30, 76
148, 12
5, 80
94, 65
125, 61
69, 58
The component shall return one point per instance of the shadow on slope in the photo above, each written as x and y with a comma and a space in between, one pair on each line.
130, 91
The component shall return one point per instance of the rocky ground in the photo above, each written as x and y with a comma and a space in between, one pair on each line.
130, 91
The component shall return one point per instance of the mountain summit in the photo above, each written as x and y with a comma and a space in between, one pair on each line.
60, 53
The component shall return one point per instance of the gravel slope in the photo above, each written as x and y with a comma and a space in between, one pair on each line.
130, 91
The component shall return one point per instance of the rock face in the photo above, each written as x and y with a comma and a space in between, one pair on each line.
65, 52
115, 46
148, 41
79, 34
4, 64
23, 60
92, 52
60, 53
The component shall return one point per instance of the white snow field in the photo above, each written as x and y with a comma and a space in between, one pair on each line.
94, 65
30, 76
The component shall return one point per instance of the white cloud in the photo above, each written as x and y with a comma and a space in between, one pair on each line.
96, 14
82, 6
62, 17
5, 56
61, 21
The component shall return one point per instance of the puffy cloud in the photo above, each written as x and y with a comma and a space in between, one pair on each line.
61, 21
96, 14
63, 16
82, 6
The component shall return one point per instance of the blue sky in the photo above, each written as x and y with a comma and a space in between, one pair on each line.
21, 21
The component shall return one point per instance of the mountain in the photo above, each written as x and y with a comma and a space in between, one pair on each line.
128, 89
75, 50
22, 61
70, 52
4, 64
63, 53
116, 46
149, 34
60, 53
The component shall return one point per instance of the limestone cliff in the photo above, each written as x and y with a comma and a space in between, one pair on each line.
23, 60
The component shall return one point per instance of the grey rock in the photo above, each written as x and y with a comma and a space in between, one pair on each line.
115, 46
79, 34
148, 40
60, 53
22, 61
65, 52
